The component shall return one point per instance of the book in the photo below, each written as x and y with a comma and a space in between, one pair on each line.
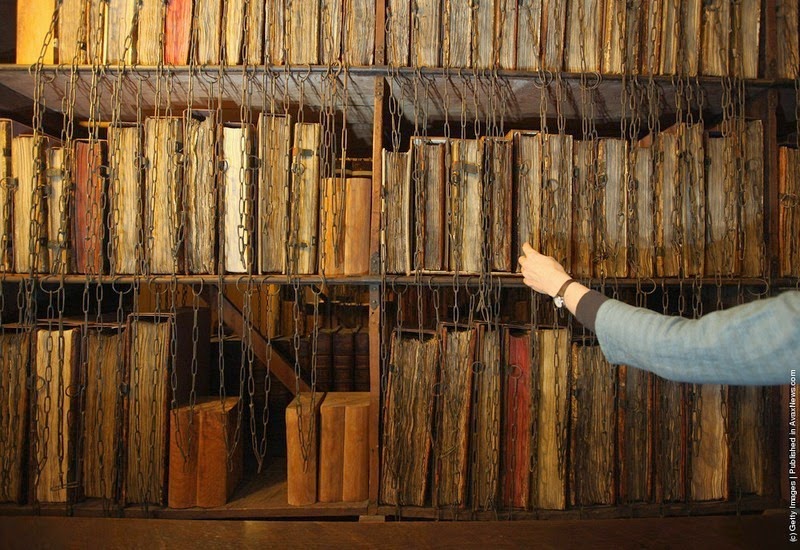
744, 39
208, 16
219, 454
635, 434
320, 360
427, 40
14, 367
102, 412
615, 34
358, 209
238, 198
302, 37
166, 366
177, 32
305, 198
484, 43
669, 441
556, 201
789, 213
458, 30
549, 489
528, 183
529, 35
332, 231
593, 389
200, 191
583, 230
55, 409
344, 448
6, 195
398, 33
485, 433
150, 32
33, 25
409, 401
342, 358
302, 445
669, 211
465, 215
430, 177
396, 194
119, 25
183, 439
163, 140
361, 381
584, 33
749, 439
670, 32
275, 32
650, 49
505, 33
125, 186
253, 47
788, 54
752, 206
59, 209
644, 195
689, 37
519, 424
694, 204
29, 206
612, 201
554, 16
500, 186
89, 221
715, 49
95, 30
709, 456
635, 23
331, 22
359, 37
722, 207
71, 32
233, 18
453, 413
275, 158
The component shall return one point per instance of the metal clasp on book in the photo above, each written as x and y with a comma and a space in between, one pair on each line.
9, 182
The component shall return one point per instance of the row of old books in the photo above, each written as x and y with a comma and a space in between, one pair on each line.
505, 417
182, 195
336, 360
687, 201
646, 37
95, 422
234, 32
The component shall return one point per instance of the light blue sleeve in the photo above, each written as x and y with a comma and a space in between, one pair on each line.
757, 343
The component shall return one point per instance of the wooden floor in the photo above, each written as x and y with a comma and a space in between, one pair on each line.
770, 530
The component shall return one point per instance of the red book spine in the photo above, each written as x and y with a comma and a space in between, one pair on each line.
89, 202
516, 443
177, 32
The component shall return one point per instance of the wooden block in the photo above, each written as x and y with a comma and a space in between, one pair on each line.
216, 476
302, 423
331, 448
355, 482
183, 434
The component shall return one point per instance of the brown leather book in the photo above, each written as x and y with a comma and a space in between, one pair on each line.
331, 447
304, 213
669, 211
409, 398
184, 429
593, 387
358, 209
715, 49
788, 39
750, 439
29, 206
709, 455
465, 222
635, 435
429, 176
635, 23
60, 212
361, 377
344, 448
14, 357
669, 441
397, 185
745, 35
343, 360
556, 197
752, 184
485, 432
722, 207
177, 32
150, 32
332, 231
650, 49
238, 197
157, 379
321, 358
219, 456
583, 246
398, 33
453, 406
517, 446
789, 215
611, 240
55, 409
163, 188
690, 28
359, 34
125, 190
302, 446
355, 480
500, 187
200, 191
33, 24
528, 183
642, 196
90, 218
119, 25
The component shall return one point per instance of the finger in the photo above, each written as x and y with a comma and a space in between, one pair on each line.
522, 260
528, 250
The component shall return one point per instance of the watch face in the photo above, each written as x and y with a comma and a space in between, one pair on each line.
558, 301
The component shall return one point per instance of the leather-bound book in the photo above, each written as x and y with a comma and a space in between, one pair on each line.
275, 156
15, 353
200, 191
126, 198
177, 32
89, 229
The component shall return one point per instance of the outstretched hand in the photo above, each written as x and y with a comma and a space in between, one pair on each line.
542, 273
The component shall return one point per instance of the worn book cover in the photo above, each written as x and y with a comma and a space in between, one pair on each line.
715, 49
125, 184
275, 157
583, 233
752, 207
119, 25
304, 214
332, 25
745, 37
430, 177
29, 205
357, 212
465, 215
238, 197
643, 202
554, 19
650, 49
485, 433
302, 23
89, 220
208, 15
529, 35
635, 434
359, 36
59, 212
177, 32
669, 211
528, 183
200, 191
150, 32
722, 207
457, 34
71, 31
584, 34
484, 44
396, 237
398, 32
788, 54
789, 212
615, 34
233, 18
500, 188
612, 204
505, 33
6, 195
14, 356
709, 455
556, 201
426, 34
670, 436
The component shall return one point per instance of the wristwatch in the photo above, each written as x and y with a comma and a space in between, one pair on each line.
558, 299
